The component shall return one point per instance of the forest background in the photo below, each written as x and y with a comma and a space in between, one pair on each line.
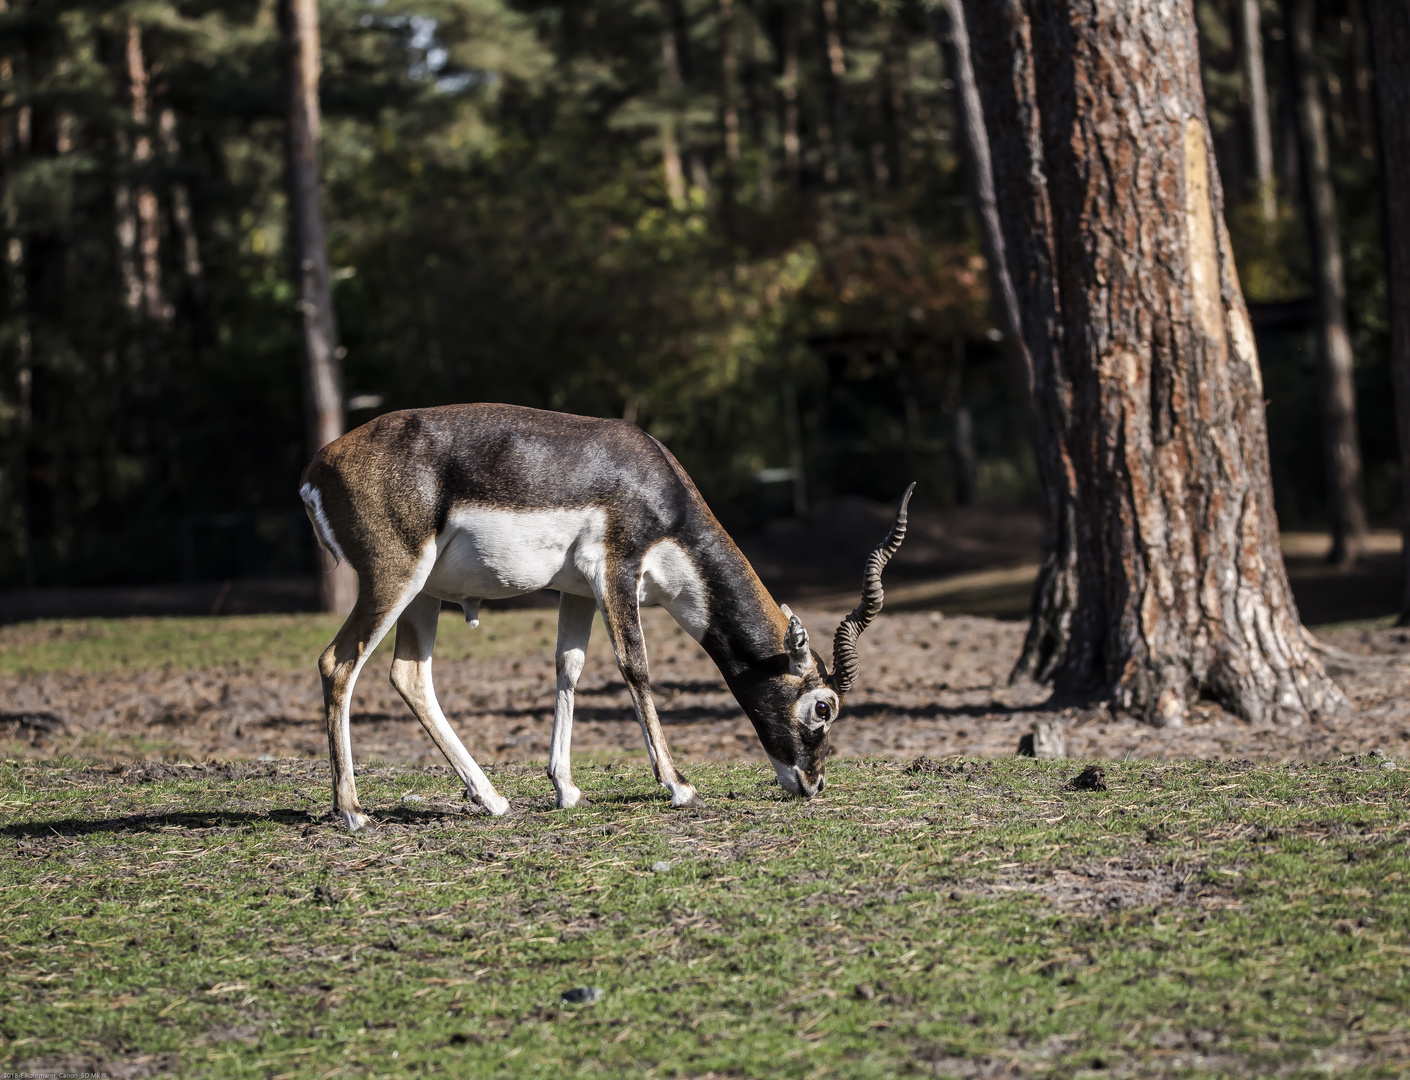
745, 224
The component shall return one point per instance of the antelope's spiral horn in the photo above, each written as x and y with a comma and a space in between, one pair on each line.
844, 642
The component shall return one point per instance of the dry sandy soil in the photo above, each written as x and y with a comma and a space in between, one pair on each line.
931, 685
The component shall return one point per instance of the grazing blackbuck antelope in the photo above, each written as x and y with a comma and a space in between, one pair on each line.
477, 502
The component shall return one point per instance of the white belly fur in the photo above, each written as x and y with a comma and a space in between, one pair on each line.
489, 554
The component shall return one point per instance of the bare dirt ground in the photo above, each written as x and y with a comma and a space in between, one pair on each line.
931, 685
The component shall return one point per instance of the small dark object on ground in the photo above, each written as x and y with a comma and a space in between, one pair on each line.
864, 991
922, 765
583, 995
1092, 778
326, 894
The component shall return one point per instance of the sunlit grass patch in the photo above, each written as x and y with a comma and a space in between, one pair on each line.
278, 642
1210, 918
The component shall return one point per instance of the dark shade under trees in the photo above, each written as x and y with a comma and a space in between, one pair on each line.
1340, 432
1390, 21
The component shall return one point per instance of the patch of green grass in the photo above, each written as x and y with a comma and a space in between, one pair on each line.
1198, 918
268, 641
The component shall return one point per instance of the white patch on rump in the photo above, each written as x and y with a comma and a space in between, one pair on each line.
313, 504
669, 580
493, 554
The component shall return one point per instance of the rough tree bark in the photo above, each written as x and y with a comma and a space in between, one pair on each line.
1261, 122
322, 374
1390, 31
1340, 439
1163, 581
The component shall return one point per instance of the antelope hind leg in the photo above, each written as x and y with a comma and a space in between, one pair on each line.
339, 667
411, 675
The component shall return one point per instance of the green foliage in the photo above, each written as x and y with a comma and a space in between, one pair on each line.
1215, 918
502, 227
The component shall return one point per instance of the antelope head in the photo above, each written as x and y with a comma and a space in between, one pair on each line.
802, 703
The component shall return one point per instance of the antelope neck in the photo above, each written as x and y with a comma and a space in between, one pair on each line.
746, 629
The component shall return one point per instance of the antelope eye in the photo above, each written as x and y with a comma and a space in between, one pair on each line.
823, 709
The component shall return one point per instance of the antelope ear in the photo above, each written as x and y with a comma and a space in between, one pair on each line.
795, 644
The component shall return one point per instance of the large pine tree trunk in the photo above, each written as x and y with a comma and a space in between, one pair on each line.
322, 374
1390, 31
1163, 581
1340, 438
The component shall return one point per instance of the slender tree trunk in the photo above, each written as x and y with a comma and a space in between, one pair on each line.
670, 148
833, 138
729, 101
788, 87
152, 300
763, 108
1341, 441
966, 461
125, 216
323, 390
970, 116
14, 485
181, 214
1361, 79
1163, 580
1258, 106
1390, 30
896, 105
676, 70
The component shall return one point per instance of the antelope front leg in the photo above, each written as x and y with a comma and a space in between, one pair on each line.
411, 675
623, 619
574, 628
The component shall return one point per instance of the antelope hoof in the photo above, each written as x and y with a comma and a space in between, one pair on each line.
356, 821
567, 800
494, 802
687, 799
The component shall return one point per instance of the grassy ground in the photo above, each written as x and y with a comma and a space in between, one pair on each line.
279, 642
982, 918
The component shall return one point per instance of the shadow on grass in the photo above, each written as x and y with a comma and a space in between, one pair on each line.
139, 823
